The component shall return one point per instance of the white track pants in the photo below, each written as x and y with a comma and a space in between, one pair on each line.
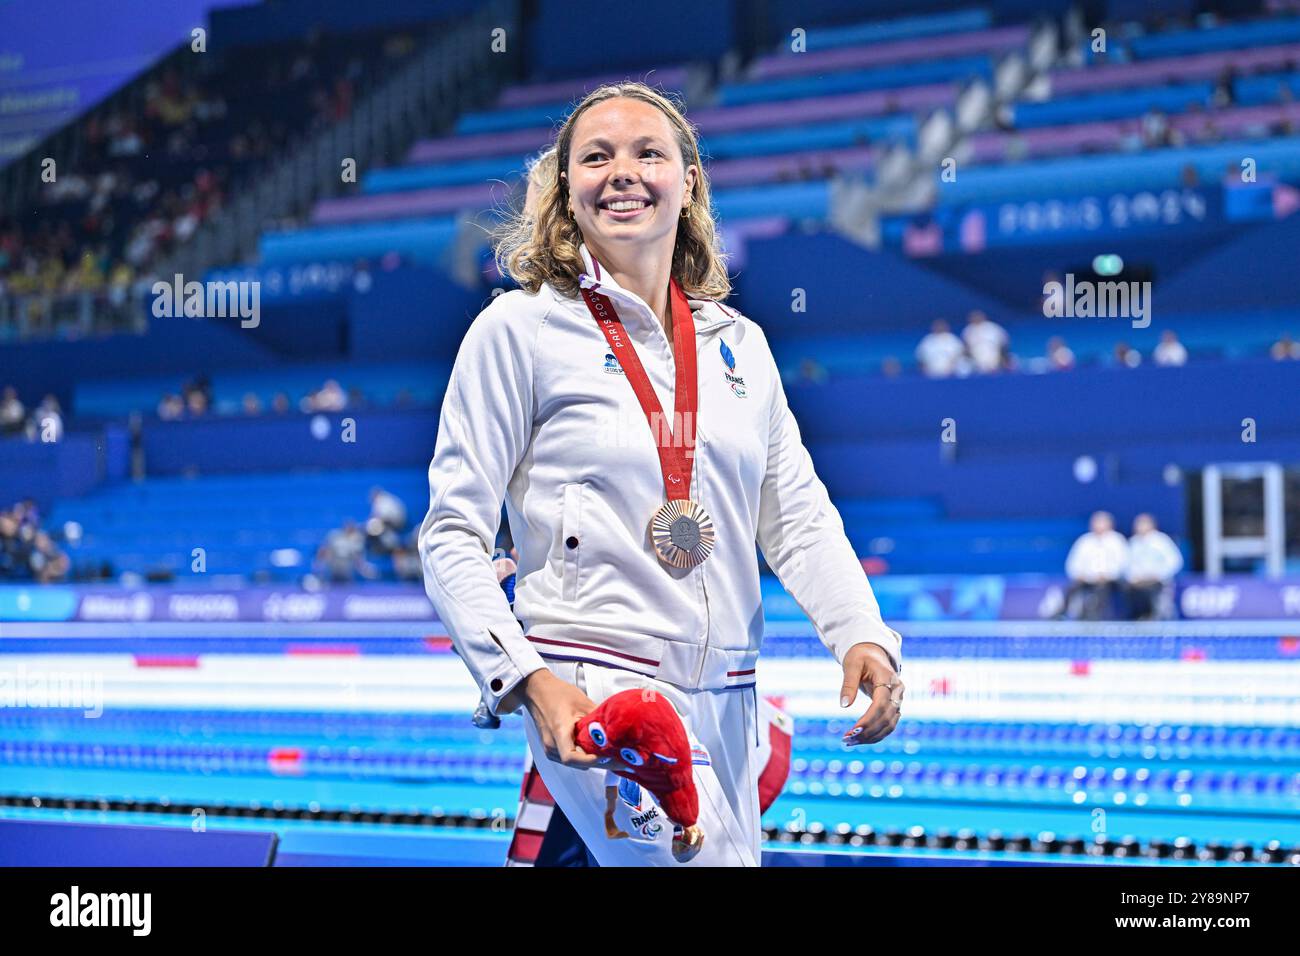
722, 722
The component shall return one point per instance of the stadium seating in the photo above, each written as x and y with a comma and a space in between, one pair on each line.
264, 527
218, 119
791, 118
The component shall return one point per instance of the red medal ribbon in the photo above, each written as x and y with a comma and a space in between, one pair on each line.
676, 456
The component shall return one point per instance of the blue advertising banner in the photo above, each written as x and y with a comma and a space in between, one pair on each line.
901, 597
307, 280
1113, 216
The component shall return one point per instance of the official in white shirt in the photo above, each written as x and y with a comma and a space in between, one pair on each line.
1096, 565
1170, 352
543, 407
1153, 562
986, 341
941, 354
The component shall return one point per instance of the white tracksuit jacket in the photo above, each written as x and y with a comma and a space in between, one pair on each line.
537, 411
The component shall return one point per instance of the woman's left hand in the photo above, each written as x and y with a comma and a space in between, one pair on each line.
868, 666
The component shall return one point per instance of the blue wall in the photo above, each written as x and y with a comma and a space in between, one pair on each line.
1254, 271
48, 471
408, 313
291, 19
384, 438
176, 345
848, 288
569, 37
1110, 406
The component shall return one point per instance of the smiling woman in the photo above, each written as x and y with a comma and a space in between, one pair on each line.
632, 183
637, 565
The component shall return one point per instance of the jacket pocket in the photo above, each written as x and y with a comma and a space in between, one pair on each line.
571, 539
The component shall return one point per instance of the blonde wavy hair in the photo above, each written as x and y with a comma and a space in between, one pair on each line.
539, 242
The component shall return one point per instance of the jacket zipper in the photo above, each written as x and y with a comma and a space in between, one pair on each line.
704, 588
708, 631
708, 622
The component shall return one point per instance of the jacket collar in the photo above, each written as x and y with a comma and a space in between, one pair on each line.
709, 314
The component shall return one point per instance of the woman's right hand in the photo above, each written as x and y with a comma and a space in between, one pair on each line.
556, 706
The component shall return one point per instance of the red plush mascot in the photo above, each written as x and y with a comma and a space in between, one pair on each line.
640, 732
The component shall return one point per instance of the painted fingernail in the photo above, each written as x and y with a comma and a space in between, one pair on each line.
853, 733
844, 702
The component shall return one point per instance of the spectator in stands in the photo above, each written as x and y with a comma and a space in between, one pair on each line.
47, 421
330, 397
1285, 348
342, 556
29, 516
199, 384
8, 545
1156, 130
407, 565
171, 407
14, 548
46, 561
387, 521
280, 403
251, 404
1126, 357
1203, 128
196, 403
124, 139
1153, 562
986, 341
1170, 351
1095, 565
891, 367
1224, 95
811, 372
13, 416
1059, 355
941, 354
26, 550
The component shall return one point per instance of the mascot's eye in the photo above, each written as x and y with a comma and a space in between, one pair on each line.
631, 757
597, 734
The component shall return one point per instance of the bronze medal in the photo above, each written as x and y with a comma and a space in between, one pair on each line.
682, 532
